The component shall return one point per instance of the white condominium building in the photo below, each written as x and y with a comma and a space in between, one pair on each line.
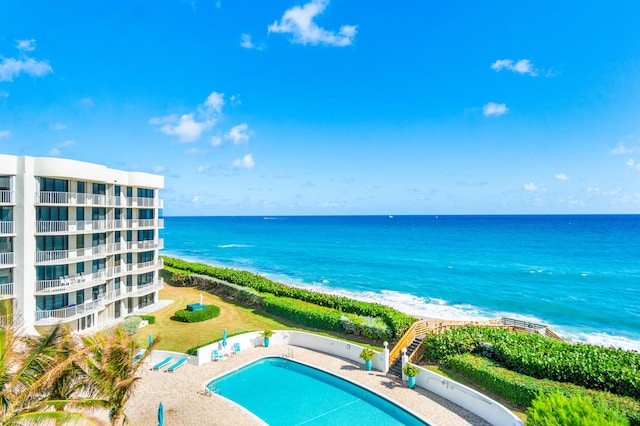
78, 242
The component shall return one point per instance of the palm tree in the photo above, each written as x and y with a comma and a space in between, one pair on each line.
27, 367
112, 370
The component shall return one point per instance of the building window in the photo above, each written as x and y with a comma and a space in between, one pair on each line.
54, 185
129, 213
98, 265
117, 190
98, 239
145, 214
146, 256
129, 191
5, 183
80, 188
99, 189
52, 242
117, 214
52, 213
117, 236
80, 268
6, 213
145, 278
55, 301
98, 213
6, 245
80, 213
79, 297
145, 193
146, 235
52, 272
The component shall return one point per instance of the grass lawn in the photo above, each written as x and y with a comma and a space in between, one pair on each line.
179, 336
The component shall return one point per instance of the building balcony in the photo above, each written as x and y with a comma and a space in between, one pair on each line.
68, 313
145, 245
140, 290
71, 198
73, 283
146, 203
144, 223
6, 197
6, 227
6, 291
6, 259
71, 226
143, 267
68, 256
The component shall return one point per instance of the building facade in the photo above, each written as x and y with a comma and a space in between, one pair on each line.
78, 243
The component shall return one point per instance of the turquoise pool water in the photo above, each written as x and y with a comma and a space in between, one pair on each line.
283, 392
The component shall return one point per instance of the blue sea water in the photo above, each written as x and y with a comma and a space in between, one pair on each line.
579, 274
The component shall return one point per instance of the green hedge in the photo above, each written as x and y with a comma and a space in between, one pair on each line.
228, 290
591, 366
149, 318
522, 390
209, 311
397, 321
581, 410
303, 313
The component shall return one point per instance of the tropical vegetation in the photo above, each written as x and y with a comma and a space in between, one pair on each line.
310, 308
56, 377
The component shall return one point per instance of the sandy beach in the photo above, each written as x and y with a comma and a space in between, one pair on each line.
181, 392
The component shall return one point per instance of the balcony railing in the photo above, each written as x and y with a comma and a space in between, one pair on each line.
69, 313
6, 291
78, 198
6, 259
45, 226
145, 245
6, 227
75, 255
6, 197
67, 284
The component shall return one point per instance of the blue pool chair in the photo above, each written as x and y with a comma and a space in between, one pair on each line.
176, 364
236, 348
216, 355
162, 363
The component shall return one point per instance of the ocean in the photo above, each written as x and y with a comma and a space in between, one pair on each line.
579, 274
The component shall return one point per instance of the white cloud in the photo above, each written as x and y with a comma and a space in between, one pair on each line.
159, 169
523, 66
4, 94
530, 186
11, 67
245, 162
235, 100
189, 127
239, 134
5, 133
632, 163
26, 45
58, 126
245, 41
203, 169
298, 21
561, 176
493, 109
216, 140
620, 149
195, 199
57, 150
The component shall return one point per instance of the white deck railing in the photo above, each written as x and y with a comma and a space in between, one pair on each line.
47, 316
6, 290
6, 227
6, 197
6, 259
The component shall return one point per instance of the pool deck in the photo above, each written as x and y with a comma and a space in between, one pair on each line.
184, 405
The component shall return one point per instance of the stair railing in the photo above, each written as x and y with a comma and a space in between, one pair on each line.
418, 328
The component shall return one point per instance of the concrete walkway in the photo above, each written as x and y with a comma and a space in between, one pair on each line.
180, 392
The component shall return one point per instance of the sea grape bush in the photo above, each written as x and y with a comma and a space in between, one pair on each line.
522, 390
559, 409
595, 367
209, 312
397, 321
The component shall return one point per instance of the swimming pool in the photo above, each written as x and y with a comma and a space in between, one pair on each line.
283, 392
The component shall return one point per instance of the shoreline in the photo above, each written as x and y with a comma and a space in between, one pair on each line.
413, 302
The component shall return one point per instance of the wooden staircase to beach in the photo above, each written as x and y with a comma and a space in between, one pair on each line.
412, 339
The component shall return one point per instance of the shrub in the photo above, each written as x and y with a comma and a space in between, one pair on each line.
410, 370
209, 312
245, 295
149, 318
373, 328
556, 408
367, 354
131, 324
522, 390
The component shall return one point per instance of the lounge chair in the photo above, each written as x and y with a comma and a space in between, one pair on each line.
162, 363
236, 348
216, 355
138, 357
176, 364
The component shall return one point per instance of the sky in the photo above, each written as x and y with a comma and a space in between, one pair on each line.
335, 107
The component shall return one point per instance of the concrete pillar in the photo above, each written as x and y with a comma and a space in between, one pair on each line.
405, 361
385, 356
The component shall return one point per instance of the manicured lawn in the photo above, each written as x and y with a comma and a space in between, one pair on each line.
180, 336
